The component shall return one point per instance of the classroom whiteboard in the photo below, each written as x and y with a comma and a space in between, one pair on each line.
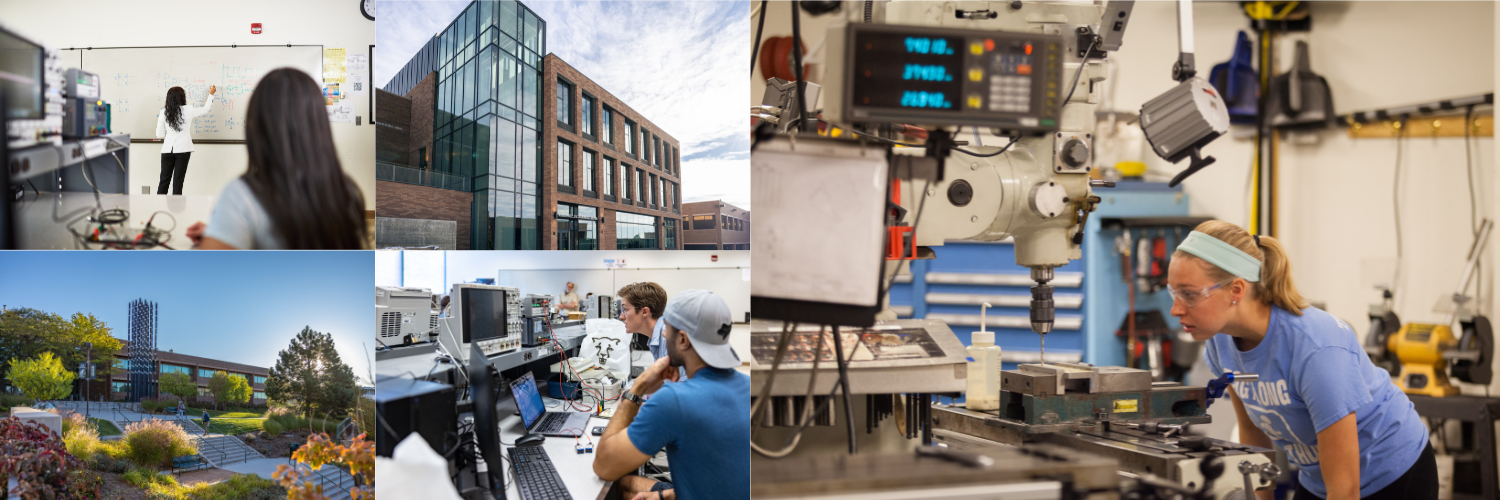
135, 82
728, 283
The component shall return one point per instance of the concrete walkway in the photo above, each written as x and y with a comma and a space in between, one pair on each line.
262, 467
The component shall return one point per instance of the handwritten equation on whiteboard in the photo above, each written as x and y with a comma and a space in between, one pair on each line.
135, 83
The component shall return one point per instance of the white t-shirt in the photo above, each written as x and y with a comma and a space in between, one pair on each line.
240, 221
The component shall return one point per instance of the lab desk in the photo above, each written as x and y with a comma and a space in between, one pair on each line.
42, 221
421, 361
576, 470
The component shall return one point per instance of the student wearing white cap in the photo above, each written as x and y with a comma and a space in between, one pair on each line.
702, 421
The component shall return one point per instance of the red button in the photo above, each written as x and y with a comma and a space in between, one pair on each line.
1028, 49
989, 44
1023, 69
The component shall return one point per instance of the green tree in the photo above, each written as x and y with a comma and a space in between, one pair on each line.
26, 333
228, 388
42, 378
178, 385
310, 376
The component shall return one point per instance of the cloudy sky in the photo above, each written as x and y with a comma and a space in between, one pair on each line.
243, 307
678, 63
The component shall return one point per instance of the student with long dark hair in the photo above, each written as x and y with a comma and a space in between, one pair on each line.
294, 194
174, 125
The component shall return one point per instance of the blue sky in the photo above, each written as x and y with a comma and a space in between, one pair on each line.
234, 306
680, 64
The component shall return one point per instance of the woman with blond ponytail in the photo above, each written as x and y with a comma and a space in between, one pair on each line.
1352, 433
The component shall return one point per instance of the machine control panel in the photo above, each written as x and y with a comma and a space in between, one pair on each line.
909, 74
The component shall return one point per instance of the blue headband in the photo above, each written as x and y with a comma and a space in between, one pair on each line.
1222, 254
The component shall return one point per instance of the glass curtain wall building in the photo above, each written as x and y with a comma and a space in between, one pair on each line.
487, 119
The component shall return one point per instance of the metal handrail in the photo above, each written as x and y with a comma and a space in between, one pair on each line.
421, 177
324, 478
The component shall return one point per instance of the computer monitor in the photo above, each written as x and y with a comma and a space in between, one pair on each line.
528, 400
21, 78
486, 420
483, 315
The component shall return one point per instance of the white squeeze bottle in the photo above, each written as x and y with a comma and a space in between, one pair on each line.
984, 369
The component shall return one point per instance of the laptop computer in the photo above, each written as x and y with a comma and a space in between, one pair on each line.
535, 416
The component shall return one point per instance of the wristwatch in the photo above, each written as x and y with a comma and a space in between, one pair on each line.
635, 398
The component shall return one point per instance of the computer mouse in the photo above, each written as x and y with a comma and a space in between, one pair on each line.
530, 440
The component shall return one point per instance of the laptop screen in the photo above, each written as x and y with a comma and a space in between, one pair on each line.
528, 400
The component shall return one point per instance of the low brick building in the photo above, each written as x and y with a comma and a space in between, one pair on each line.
715, 225
198, 368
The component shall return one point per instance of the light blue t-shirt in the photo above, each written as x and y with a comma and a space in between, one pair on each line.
1313, 372
703, 423
240, 221
658, 344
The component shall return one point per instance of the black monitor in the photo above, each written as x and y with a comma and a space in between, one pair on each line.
486, 418
21, 78
483, 312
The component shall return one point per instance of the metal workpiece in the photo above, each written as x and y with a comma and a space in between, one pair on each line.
1060, 378
1135, 446
1033, 471
909, 356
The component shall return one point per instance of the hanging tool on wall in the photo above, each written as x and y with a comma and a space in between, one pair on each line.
1237, 81
1143, 264
1123, 247
1158, 262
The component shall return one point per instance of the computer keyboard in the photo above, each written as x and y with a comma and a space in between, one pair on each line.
536, 478
551, 423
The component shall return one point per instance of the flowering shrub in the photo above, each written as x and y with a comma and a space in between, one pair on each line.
153, 443
42, 468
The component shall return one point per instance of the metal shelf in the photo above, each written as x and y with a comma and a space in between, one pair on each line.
37, 160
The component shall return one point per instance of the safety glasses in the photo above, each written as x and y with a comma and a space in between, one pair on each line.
1191, 297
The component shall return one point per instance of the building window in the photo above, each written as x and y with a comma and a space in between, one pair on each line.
607, 126
166, 368
644, 193
645, 146
588, 171
203, 391
588, 115
577, 227
656, 146
119, 386
609, 176
122, 363
629, 137
635, 231
669, 234
624, 182
564, 164
703, 222
259, 395
564, 101
205, 373
259, 379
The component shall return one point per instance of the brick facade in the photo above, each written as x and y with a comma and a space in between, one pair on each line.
668, 168
422, 98
723, 238
410, 201
193, 364
392, 128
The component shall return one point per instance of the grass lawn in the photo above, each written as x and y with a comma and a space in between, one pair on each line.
106, 428
233, 426
198, 413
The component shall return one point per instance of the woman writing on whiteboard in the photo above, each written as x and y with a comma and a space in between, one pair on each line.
294, 194
174, 125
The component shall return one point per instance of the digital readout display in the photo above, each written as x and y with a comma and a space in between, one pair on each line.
904, 71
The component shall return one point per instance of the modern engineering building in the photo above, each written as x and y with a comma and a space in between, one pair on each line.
486, 137
197, 368
715, 225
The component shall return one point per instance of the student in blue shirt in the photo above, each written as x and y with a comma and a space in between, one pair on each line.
702, 420
1350, 430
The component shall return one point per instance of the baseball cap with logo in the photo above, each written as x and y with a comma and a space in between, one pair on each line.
705, 318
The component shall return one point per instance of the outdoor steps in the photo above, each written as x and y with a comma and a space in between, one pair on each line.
335, 481
220, 449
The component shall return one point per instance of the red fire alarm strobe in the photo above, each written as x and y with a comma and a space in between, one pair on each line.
714, 258
255, 28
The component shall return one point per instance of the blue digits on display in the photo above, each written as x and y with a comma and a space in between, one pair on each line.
934, 46
927, 72
920, 99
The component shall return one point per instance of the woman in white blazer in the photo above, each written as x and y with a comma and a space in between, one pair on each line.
174, 124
